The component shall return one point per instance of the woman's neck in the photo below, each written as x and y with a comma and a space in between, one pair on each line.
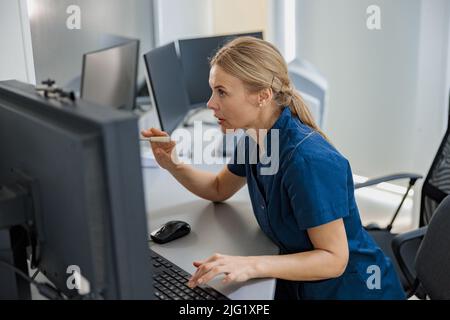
265, 121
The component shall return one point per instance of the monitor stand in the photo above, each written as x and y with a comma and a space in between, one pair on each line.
16, 222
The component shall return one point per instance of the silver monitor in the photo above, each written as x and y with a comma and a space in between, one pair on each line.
109, 76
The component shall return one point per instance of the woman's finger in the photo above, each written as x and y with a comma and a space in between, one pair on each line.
198, 263
158, 132
211, 274
152, 132
202, 270
147, 133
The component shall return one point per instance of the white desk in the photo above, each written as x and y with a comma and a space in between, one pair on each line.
228, 228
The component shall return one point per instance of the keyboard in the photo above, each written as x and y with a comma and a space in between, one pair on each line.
170, 283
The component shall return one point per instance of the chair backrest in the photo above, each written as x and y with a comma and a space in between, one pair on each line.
437, 183
308, 80
314, 106
433, 257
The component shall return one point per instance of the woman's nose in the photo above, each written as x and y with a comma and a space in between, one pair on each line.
210, 104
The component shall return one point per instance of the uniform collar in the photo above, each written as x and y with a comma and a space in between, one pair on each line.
281, 123
282, 119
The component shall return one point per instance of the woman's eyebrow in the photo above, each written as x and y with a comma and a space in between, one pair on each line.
217, 86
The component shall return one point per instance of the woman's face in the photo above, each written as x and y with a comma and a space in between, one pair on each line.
233, 106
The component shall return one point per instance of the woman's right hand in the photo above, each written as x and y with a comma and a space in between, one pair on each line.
164, 152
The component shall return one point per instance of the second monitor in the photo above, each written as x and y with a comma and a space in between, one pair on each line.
195, 55
166, 86
109, 75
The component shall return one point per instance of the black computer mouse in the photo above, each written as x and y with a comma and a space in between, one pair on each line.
170, 231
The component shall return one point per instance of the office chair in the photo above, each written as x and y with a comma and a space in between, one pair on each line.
435, 188
307, 80
313, 105
432, 259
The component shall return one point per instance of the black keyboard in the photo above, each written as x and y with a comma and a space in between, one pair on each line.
170, 283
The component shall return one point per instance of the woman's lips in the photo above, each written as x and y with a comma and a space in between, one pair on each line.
220, 120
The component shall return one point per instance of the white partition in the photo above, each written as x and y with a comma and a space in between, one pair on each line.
16, 58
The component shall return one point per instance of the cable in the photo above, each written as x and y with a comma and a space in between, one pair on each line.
45, 289
35, 275
18, 271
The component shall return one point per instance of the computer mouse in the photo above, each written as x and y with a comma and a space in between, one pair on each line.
170, 231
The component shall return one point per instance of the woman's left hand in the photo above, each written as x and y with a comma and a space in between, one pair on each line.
235, 269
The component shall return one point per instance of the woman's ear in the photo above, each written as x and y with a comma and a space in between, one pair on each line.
265, 96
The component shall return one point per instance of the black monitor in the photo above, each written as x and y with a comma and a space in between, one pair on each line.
109, 75
167, 89
195, 55
70, 174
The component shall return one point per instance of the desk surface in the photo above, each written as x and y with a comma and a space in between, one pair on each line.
227, 228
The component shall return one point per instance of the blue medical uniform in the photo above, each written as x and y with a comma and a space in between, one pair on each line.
313, 186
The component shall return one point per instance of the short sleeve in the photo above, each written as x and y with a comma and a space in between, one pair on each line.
245, 153
237, 169
317, 188
236, 165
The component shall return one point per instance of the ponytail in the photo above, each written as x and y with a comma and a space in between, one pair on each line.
288, 96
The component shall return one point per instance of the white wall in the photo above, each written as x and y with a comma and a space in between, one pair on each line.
432, 85
16, 59
431, 114
281, 26
58, 51
237, 16
276, 33
177, 19
387, 92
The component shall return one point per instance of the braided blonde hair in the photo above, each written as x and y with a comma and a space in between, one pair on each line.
260, 65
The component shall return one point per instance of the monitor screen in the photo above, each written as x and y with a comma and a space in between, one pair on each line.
195, 55
109, 75
166, 86
88, 208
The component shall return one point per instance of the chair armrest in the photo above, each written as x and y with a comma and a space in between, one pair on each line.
412, 176
412, 181
398, 242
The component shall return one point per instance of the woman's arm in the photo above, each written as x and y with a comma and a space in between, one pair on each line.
207, 185
214, 187
328, 260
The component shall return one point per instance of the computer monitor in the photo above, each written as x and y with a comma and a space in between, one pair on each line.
109, 75
167, 89
195, 55
82, 166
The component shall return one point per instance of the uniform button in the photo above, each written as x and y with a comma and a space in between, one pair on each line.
263, 207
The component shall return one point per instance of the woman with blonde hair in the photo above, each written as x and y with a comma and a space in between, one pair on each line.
307, 207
